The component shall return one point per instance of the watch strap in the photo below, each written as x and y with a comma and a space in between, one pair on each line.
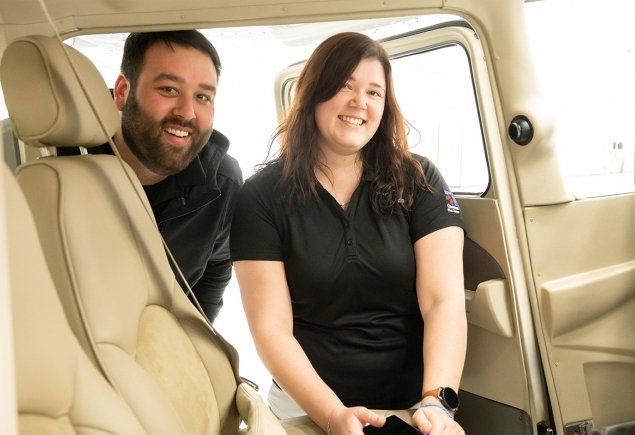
434, 393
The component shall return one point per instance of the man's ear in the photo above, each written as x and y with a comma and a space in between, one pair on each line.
121, 90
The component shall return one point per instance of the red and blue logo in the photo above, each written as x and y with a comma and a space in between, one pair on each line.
452, 203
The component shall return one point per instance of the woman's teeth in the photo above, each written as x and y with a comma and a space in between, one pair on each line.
351, 120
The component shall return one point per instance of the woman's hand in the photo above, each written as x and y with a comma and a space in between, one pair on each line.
351, 421
434, 421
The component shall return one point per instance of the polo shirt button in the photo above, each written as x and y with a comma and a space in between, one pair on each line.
349, 242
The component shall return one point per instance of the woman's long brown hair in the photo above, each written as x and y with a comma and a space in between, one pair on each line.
396, 174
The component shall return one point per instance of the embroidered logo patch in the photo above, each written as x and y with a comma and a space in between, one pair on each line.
453, 205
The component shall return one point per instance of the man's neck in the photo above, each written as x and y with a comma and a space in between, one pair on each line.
145, 176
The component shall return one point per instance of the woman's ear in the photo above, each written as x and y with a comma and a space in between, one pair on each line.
120, 91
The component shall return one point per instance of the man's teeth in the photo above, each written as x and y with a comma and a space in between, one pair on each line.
179, 133
351, 120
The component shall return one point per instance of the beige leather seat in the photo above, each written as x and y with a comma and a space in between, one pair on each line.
59, 391
107, 260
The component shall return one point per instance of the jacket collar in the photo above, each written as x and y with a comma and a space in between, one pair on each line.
200, 172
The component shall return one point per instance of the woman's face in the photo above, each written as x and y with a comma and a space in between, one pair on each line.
351, 117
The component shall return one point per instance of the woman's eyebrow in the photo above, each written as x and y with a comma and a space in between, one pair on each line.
377, 85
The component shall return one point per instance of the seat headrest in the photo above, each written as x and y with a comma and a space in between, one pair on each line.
45, 101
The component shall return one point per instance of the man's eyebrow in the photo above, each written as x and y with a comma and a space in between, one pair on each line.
207, 87
171, 77
177, 79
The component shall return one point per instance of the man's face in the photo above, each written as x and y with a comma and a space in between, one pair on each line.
167, 119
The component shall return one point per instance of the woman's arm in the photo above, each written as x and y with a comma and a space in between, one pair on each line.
441, 294
267, 304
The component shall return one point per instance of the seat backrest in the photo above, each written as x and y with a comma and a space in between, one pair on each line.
107, 258
59, 391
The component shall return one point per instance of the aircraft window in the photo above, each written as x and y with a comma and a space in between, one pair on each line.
435, 92
585, 61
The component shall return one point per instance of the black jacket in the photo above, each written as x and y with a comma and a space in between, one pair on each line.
193, 210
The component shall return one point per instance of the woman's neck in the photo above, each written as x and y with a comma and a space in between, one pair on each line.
340, 177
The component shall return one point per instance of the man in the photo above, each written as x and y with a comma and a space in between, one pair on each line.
165, 93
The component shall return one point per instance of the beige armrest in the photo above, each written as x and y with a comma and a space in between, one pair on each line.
255, 413
489, 308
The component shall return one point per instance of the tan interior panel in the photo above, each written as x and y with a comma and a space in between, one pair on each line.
610, 383
582, 256
494, 362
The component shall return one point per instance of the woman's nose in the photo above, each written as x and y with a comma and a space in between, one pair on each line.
359, 99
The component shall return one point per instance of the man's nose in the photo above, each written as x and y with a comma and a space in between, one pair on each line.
184, 107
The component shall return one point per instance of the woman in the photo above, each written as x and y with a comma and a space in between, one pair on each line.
342, 245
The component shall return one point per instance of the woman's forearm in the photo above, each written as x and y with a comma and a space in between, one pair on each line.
445, 341
288, 364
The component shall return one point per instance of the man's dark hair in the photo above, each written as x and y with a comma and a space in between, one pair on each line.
137, 44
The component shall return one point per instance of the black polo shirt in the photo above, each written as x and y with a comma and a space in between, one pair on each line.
351, 275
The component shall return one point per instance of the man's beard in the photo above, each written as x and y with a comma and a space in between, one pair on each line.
143, 136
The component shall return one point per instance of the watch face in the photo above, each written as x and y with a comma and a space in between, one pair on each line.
451, 399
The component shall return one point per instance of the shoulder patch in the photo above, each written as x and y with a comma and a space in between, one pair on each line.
453, 205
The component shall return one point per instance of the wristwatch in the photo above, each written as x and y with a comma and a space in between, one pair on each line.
447, 396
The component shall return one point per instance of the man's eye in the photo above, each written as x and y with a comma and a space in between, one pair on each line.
168, 90
206, 98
